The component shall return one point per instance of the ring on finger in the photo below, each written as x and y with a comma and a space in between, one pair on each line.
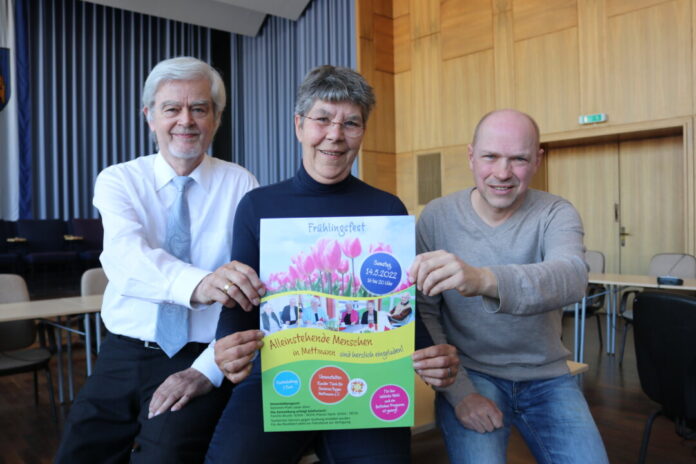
449, 372
226, 288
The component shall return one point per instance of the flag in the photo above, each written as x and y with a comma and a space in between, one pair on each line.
9, 119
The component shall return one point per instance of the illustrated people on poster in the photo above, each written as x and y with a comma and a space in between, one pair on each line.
349, 316
400, 313
315, 314
290, 312
370, 315
269, 319
383, 322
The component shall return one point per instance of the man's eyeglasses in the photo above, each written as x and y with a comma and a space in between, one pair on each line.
350, 128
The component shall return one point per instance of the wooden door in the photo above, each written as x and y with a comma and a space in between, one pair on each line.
632, 186
587, 176
652, 200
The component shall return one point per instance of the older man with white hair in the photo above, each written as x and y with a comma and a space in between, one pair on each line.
167, 239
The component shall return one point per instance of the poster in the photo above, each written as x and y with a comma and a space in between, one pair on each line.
339, 318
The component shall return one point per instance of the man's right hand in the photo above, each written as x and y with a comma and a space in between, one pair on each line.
231, 284
234, 353
434, 272
476, 412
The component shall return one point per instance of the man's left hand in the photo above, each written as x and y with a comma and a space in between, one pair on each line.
177, 390
437, 365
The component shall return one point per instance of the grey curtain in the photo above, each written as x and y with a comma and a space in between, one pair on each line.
88, 65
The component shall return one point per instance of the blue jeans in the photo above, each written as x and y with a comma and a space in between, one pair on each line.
551, 415
239, 437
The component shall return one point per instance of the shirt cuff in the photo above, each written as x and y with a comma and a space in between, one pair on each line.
184, 285
205, 364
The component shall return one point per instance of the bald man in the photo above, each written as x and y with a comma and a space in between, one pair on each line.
496, 264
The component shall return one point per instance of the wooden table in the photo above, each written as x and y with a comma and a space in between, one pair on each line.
614, 284
58, 308
42, 309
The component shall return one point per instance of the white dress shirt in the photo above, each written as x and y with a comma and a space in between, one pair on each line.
133, 199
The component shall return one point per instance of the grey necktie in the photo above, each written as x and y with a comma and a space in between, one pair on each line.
172, 319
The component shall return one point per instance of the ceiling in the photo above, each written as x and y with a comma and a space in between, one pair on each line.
237, 16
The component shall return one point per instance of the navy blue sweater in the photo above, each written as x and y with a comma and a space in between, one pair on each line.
301, 196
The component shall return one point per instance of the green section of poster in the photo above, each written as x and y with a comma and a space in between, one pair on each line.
339, 317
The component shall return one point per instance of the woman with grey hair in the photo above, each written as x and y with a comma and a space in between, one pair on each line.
331, 111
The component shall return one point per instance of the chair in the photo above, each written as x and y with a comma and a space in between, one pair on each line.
675, 264
665, 344
92, 239
10, 259
93, 282
17, 336
595, 292
45, 243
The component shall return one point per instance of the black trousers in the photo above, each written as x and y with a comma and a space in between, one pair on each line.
108, 421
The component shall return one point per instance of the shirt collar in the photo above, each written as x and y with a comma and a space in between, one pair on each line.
164, 173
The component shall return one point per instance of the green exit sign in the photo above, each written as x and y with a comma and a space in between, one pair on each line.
592, 118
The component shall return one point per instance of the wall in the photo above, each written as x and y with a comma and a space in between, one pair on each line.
451, 61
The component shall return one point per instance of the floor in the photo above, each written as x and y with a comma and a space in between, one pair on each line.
28, 434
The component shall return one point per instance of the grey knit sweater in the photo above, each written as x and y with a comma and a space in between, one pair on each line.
537, 256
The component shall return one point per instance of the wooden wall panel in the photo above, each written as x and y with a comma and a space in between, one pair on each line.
539, 181
453, 60
379, 169
503, 54
366, 60
429, 169
425, 17
456, 174
617, 7
406, 181
547, 84
376, 63
383, 8
403, 109
379, 133
383, 43
649, 63
539, 17
426, 103
467, 27
592, 33
469, 90
402, 43
690, 190
400, 7
364, 18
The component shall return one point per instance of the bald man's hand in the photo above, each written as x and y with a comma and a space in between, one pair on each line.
476, 412
437, 365
437, 271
